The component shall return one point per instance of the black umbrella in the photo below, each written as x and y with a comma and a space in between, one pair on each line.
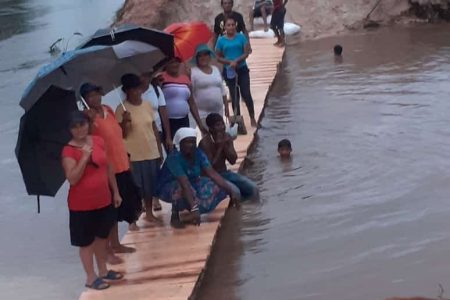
42, 135
125, 32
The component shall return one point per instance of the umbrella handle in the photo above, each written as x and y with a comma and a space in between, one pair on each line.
120, 98
39, 203
84, 102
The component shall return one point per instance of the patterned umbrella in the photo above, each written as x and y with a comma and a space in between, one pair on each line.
187, 36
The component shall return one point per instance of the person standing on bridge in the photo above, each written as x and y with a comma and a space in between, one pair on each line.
277, 22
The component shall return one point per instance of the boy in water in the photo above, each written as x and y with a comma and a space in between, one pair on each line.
338, 54
218, 147
277, 22
285, 149
338, 50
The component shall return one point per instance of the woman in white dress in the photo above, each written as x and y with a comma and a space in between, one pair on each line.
207, 85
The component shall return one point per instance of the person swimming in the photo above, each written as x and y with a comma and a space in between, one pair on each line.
285, 149
338, 50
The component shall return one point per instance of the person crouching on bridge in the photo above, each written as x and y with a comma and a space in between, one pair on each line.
182, 185
218, 147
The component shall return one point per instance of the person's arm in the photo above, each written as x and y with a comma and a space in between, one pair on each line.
225, 106
221, 58
194, 111
229, 151
166, 126
158, 140
246, 50
74, 170
124, 120
187, 191
117, 200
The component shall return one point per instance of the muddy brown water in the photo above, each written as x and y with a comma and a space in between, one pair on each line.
363, 209
36, 259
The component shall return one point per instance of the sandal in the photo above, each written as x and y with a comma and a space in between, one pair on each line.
98, 284
113, 275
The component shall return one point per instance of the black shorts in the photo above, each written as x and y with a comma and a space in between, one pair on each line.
257, 11
131, 206
277, 22
85, 226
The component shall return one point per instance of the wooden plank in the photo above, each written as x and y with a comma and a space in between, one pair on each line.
167, 263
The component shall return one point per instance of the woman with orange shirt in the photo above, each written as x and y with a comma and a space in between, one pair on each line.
104, 124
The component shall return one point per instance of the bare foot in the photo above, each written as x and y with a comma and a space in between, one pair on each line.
266, 28
124, 249
113, 259
133, 227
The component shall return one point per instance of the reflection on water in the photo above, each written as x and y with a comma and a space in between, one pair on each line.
362, 210
36, 259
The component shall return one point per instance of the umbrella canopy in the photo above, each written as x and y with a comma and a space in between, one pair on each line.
42, 134
124, 32
187, 36
103, 65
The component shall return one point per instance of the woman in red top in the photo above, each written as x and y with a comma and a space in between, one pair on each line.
91, 213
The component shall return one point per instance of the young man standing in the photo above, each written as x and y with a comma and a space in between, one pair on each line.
219, 21
218, 147
277, 23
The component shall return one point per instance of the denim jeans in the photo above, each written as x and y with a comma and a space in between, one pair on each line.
240, 84
247, 187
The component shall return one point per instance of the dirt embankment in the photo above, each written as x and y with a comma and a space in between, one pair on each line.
317, 17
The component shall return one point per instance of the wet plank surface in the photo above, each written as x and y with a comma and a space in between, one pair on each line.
167, 263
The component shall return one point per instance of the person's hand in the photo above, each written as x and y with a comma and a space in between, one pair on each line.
86, 152
227, 113
235, 199
117, 200
91, 114
169, 144
233, 65
126, 117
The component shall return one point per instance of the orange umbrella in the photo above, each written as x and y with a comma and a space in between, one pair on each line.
187, 36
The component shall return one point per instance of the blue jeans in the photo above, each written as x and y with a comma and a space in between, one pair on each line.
247, 187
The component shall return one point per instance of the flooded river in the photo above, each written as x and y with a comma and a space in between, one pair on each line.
36, 259
363, 209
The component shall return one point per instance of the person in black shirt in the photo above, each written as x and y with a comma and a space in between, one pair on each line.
219, 21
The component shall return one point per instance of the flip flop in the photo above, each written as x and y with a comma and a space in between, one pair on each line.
98, 284
112, 275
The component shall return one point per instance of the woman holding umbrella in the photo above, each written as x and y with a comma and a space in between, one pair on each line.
141, 138
104, 124
91, 212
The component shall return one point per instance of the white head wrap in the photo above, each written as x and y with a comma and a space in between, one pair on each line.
183, 133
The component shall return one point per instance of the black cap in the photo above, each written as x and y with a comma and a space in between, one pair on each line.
88, 87
77, 117
130, 81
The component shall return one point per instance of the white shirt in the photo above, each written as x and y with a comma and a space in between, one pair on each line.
208, 91
150, 96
